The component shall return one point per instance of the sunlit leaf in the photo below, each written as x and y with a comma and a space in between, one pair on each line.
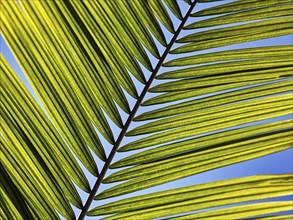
223, 99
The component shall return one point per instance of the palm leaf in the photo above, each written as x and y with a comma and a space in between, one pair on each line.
199, 196
93, 64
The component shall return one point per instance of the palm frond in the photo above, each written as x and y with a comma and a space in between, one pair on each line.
92, 63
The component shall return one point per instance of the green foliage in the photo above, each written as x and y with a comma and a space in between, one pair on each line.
84, 58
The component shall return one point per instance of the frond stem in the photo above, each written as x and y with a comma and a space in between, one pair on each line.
132, 114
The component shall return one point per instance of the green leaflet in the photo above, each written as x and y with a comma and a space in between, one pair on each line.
257, 110
55, 93
161, 13
207, 126
278, 217
188, 192
223, 79
198, 197
245, 211
38, 127
213, 115
33, 178
232, 40
201, 143
74, 62
239, 30
97, 63
194, 93
203, 157
242, 16
206, 1
31, 194
187, 1
156, 173
131, 44
145, 15
235, 6
12, 201
233, 55
227, 69
137, 28
95, 16
261, 32
217, 99
173, 6
112, 56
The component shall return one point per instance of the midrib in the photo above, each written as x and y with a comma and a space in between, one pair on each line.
132, 114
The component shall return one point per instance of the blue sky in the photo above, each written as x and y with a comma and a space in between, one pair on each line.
272, 164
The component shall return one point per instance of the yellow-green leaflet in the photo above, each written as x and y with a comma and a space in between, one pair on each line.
131, 19
240, 5
215, 115
201, 143
143, 10
109, 60
168, 169
269, 11
129, 46
160, 12
246, 211
48, 86
218, 99
278, 217
237, 54
164, 171
52, 147
12, 202
202, 91
74, 63
197, 197
96, 64
236, 35
222, 78
173, 5
240, 30
267, 108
